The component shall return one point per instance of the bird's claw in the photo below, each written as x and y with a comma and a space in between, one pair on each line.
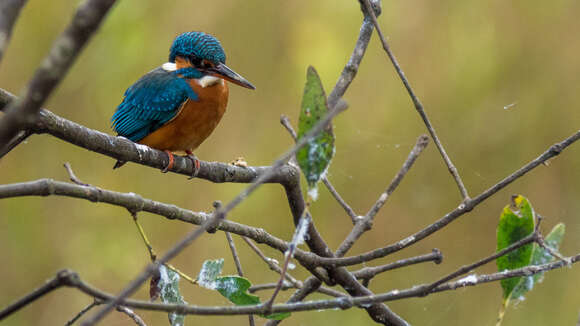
171, 161
196, 164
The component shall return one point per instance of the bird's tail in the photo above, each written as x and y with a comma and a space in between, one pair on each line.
119, 164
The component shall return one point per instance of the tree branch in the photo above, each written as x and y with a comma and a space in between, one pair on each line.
65, 49
238, 263
462, 209
48, 287
367, 273
71, 279
417, 103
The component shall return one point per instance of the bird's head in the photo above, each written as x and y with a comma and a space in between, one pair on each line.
204, 53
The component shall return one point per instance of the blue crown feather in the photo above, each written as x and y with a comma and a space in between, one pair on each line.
198, 44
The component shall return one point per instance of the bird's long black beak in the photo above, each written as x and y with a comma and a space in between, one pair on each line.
223, 71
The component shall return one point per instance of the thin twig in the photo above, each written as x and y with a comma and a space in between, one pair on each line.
367, 273
272, 263
20, 137
152, 253
73, 177
90, 306
54, 67
131, 315
542, 243
417, 103
287, 285
234, 253
310, 285
365, 224
238, 263
298, 237
468, 268
285, 121
47, 287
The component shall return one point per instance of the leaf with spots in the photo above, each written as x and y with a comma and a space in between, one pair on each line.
540, 256
314, 158
168, 285
210, 270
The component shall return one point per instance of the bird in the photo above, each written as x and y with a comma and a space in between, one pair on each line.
176, 106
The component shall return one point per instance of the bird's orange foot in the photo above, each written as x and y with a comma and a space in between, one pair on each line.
196, 164
171, 161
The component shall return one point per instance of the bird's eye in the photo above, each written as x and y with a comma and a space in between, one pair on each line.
195, 61
206, 64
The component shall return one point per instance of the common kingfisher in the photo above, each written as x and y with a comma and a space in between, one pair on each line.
175, 107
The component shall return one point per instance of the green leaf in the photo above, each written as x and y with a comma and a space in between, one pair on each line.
516, 222
168, 285
540, 256
235, 288
210, 270
314, 158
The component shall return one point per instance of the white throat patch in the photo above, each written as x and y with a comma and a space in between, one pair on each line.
207, 81
169, 66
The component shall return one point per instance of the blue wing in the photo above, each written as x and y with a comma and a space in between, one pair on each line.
150, 103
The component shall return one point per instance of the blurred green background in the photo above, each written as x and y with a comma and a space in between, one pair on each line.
466, 60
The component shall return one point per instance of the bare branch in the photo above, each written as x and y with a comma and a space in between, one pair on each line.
417, 103
65, 49
36, 294
135, 203
73, 177
83, 311
288, 285
232, 246
351, 68
285, 121
466, 269
71, 279
463, 208
365, 224
272, 264
554, 253
367, 273
20, 137
131, 315
9, 11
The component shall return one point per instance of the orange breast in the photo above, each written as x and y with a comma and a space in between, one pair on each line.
195, 120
